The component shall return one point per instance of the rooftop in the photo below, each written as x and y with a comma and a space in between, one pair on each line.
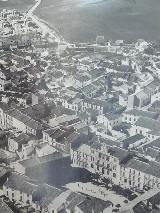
95, 204
142, 113
21, 183
148, 123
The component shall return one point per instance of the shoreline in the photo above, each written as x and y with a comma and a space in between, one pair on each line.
44, 25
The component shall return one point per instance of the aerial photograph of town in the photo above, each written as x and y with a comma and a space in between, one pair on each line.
79, 106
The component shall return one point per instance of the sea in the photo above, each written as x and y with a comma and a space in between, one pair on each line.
83, 20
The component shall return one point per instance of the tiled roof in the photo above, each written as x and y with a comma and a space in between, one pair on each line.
112, 116
95, 102
22, 138
118, 153
94, 204
147, 167
50, 193
24, 119
77, 139
4, 208
148, 123
74, 199
142, 113
21, 183
153, 152
133, 139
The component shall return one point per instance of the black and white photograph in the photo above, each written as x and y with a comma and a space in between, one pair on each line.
79, 106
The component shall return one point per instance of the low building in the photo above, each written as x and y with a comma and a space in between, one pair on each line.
63, 120
14, 118
20, 188
131, 116
147, 127
15, 143
93, 205
110, 120
133, 141
99, 105
5, 79
56, 137
44, 149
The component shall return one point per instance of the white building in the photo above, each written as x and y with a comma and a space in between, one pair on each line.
120, 166
110, 120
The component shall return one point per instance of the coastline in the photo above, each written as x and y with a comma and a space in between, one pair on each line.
44, 25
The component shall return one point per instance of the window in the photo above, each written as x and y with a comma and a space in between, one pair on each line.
92, 166
28, 202
107, 158
103, 171
100, 155
114, 175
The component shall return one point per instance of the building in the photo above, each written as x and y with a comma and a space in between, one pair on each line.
63, 120
123, 168
133, 141
15, 143
14, 118
43, 149
147, 127
139, 99
131, 116
99, 105
5, 79
63, 138
110, 120
4, 207
93, 205
100, 40
20, 188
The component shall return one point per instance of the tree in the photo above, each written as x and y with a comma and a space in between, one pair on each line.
95, 177
106, 181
